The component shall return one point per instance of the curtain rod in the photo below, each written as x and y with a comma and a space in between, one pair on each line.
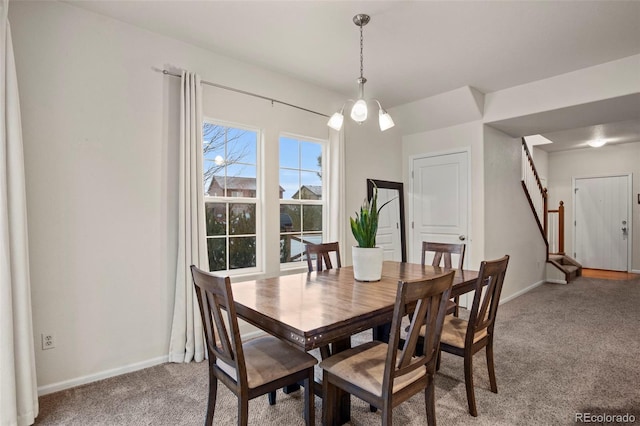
220, 86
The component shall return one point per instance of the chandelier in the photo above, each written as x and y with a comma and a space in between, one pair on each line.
360, 110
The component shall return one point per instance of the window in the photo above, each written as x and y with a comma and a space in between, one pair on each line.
302, 199
231, 196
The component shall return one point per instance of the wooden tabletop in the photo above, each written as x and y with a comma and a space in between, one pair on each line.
314, 309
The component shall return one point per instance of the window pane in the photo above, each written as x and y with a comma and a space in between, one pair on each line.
241, 146
241, 181
242, 219
291, 248
214, 185
213, 141
289, 155
290, 213
312, 218
217, 249
311, 188
242, 252
290, 182
315, 238
216, 217
311, 156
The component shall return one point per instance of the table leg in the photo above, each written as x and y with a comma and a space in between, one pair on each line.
343, 399
381, 332
291, 388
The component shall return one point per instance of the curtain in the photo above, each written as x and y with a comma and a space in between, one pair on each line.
18, 386
337, 219
187, 341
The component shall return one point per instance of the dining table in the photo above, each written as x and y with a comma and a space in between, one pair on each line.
315, 309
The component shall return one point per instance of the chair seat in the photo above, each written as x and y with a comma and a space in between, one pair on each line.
268, 359
454, 331
364, 366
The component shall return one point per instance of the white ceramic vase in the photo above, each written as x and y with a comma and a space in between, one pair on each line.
367, 263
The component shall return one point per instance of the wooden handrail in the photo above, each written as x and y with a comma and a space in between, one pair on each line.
535, 192
533, 168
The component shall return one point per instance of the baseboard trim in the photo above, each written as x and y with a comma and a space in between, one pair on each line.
83, 380
521, 292
557, 281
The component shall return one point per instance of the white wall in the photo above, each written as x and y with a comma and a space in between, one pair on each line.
509, 224
604, 81
607, 160
100, 134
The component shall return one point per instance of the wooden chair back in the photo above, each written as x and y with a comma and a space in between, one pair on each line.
430, 299
322, 254
222, 337
487, 295
443, 251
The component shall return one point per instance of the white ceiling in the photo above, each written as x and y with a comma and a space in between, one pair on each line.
412, 49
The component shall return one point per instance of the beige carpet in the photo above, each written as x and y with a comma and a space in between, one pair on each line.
560, 350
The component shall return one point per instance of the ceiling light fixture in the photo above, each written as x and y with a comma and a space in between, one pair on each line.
360, 110
597, 143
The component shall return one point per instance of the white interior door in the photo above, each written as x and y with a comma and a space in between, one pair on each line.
602, 222
388, 236
439, 203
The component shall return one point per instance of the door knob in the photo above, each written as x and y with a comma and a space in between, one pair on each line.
462, 238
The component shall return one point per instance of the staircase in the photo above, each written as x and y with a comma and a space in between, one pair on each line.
560, 267
570, 267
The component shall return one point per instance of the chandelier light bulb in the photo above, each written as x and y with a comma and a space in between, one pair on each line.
385, 120
336, 120
359, 111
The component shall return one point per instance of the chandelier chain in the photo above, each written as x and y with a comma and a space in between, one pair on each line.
361, 54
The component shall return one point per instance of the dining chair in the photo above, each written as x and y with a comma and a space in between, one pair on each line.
322, 254
249, 369
466, 337
387, 374
442, 252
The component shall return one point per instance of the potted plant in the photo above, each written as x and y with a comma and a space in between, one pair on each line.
367, 257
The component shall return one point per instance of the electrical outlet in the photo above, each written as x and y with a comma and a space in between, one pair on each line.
48, 341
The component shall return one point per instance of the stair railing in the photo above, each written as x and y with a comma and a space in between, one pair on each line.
535, 192
555, 230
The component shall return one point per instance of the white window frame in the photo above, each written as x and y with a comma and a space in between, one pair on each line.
258, 200
324, 202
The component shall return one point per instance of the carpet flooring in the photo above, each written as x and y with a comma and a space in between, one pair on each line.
559, 350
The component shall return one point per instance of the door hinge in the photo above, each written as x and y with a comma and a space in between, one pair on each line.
411, 174
575, 190
411, 225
